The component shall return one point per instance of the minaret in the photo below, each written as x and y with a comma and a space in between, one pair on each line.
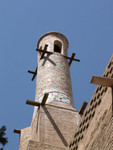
54, 118
53, 75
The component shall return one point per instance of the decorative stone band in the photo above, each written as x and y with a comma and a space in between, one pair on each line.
55, 96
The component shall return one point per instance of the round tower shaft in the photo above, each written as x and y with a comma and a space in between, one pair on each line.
53, 75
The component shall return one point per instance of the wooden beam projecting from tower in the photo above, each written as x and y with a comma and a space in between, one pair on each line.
104, 81
81, 111
73, 55
37, 103
40, 50
44, 99
44, 51
34, 73
33, 103
48, 52
17, 131
71, 58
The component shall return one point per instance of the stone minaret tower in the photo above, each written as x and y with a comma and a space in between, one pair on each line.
54, 118
53, 75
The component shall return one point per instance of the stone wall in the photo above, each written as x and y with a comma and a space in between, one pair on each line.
54, 125
42, 146
25, 136
100, 134
95, 131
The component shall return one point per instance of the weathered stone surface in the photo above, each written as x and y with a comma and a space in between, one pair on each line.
95, 131
42, 146
99, 132
25, 136
54, 125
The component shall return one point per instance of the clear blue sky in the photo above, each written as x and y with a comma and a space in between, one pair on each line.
88, 25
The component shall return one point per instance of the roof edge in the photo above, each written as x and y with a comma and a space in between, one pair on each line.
54, 33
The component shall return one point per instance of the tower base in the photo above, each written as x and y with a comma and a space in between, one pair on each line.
52, 128
32, 145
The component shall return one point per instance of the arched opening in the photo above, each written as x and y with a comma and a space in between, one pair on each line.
57, 46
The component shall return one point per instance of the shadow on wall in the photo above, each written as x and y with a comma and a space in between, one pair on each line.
55, 126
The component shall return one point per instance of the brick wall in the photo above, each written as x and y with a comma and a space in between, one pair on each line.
42, 146
24, 138
95, 131
54, 126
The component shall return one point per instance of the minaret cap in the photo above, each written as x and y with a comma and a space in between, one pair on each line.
57, 34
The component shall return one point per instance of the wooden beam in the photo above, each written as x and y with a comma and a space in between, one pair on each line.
37, 103
33, 103
40, 50
32, 72
82, 108
17, 131
104, 81
44, 51
72, 57
35, 73
44, 99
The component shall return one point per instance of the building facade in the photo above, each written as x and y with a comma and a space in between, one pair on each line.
95, 131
